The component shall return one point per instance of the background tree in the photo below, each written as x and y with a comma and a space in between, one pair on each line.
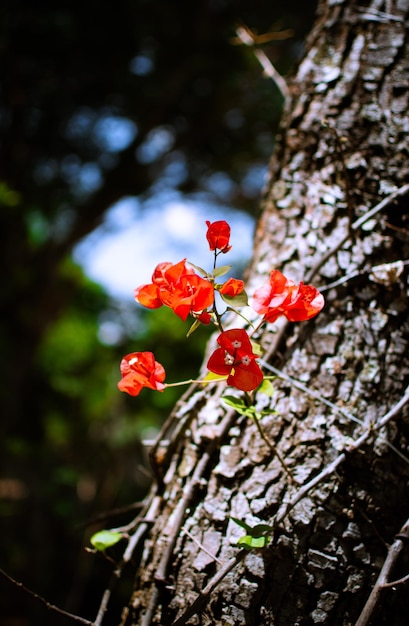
335, 212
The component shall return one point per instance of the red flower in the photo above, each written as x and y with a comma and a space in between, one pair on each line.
218, 235
192, 294
305, 304
282, 296
139, 369
235, 359
232, 287
177, 287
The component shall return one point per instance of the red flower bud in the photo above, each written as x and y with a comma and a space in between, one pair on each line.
232, 287
218, 235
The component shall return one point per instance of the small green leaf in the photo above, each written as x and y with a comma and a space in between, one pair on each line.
267, 388
257, 349
250, 543
240, 406
193, 327
255, 531
256, 537
260, 530
105, 539
239, 522
235, 403
221, 271
211, 377
200, 270
240, 300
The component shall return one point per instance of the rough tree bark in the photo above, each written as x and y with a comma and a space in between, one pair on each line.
343, 150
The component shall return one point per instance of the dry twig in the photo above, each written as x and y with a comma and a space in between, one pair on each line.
382, 582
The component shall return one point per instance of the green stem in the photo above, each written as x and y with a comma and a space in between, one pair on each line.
190, 381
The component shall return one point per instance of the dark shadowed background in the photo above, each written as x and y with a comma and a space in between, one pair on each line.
145, 104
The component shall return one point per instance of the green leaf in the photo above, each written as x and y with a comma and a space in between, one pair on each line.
257, 349
253, 543
240, 406
221, 271
255, 531
240, 300
235, 403
240, 523
267, 388
200, 270
211, 377
105, 539
260, 530
193, 327
256, 537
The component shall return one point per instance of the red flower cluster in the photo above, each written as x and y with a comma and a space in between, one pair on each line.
218, 236
282, 296
235, 359
139, 369
178, 287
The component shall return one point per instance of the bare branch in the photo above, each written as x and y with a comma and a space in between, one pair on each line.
245, 35
402, 191
201, 546
330, 469
43, 601
382, 581
211, 585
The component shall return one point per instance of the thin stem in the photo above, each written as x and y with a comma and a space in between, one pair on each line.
50, 607
273, 448
201, 546
198, 382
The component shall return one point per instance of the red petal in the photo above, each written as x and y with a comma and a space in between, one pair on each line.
308, 303
148, 295
246, 377
217, 363
272, 294
192, 294
226, 339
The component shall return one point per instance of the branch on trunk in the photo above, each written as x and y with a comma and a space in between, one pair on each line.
382, 582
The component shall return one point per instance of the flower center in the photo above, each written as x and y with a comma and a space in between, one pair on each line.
246, 360
228, 359
236, 344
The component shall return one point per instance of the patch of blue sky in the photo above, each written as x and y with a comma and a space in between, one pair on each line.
123, 252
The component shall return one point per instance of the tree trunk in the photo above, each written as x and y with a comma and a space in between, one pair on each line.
343, 151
